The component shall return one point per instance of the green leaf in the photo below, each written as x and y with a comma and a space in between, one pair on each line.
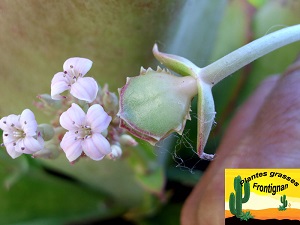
40, 198
257, 3
167, 215
153, 182
183, 176
115, 178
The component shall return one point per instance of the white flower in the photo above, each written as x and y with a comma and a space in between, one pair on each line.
83, 88
116, 152
84, 133
20, 134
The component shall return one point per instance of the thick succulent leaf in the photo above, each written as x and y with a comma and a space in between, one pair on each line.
113, 178
153, 182
31, 196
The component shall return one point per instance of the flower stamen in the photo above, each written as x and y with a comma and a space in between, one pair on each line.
19, 134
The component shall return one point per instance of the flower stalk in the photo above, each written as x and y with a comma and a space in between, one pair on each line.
235, 60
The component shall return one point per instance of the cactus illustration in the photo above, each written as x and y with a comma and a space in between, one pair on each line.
246, 216
236, 200
284, 203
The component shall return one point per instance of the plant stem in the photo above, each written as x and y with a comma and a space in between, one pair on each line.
235, 60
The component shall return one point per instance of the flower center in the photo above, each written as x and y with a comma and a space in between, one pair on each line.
84, 132
73, 74
19, 134
16, 135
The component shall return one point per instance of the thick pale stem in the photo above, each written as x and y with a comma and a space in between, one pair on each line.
232, 62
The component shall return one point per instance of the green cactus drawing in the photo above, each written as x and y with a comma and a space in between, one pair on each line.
284, 203
236, 200
246, 216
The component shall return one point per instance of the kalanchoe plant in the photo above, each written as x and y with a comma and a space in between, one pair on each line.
156, 103
151, 106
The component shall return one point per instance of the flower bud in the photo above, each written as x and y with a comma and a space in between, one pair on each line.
155, 104
116, 152
110, 102
127, 140
50, 151
47, 101
46, 131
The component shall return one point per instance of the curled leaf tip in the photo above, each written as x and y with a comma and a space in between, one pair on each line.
176, 63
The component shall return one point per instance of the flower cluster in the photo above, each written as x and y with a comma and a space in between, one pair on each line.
84, 124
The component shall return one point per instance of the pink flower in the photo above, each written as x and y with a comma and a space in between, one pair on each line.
83, 88
84, 133
20, 134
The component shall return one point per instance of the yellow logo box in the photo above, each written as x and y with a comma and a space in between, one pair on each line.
262, 193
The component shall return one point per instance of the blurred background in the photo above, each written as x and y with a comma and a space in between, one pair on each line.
148, 185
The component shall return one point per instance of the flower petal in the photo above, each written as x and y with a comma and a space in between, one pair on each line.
96, 147
80, 65
28, 145
28, 122
40, 139
60, 83
12, 122
71, 147
12, 152
72, 118
3, 124
97, 118
85, 89
116, 152
8, 138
